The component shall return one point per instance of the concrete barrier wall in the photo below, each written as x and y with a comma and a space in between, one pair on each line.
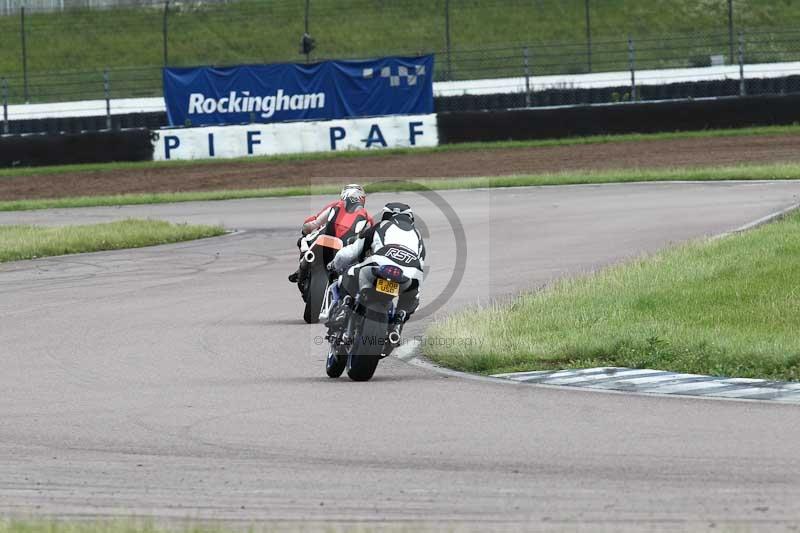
67, 149
652, 117
221, 142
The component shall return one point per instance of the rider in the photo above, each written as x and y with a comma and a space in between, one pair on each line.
341, 217
398, 242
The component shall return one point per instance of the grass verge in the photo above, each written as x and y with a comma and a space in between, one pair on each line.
19, 242
118, 526
445, 148
727, 307
742, 172
148, 526
43, 526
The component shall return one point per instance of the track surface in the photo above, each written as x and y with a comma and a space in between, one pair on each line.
180, 382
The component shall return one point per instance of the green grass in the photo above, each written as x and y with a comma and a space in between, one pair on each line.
727, 307
445, 148
129, 40
147, 526
42, 526
19, 242
743, 172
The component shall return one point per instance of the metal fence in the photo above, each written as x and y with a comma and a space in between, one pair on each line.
12, 7
118, 52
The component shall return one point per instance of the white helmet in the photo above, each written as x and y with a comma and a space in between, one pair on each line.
355, 192
397, 209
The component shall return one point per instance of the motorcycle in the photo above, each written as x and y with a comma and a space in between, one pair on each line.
314, 279
366, 337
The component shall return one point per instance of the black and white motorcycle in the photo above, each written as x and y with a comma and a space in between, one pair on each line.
367, 335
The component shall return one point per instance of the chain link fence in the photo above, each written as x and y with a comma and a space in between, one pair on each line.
11, 7
489, 53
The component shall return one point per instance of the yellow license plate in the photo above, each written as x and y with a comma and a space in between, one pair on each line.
388, 287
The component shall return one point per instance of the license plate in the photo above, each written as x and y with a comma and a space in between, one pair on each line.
388, 287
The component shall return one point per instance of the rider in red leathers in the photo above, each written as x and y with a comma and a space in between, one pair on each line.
342, 218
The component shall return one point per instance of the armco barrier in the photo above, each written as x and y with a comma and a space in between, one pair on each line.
66, 149
605, 95
469, 102
473, 126
53, 125
553, 123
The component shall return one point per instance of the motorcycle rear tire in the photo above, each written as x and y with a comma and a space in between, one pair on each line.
366, 350
317, 286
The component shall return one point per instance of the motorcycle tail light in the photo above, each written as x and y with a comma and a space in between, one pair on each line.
391, 272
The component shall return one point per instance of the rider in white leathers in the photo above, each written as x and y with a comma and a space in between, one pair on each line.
392, 241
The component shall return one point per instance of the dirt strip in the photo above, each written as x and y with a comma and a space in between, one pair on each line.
492, 162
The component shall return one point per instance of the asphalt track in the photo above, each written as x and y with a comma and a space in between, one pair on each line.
180, 382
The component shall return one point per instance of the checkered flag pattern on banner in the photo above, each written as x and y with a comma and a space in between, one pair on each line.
409, 74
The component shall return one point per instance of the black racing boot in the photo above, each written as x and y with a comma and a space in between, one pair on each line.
338, 316
293, 277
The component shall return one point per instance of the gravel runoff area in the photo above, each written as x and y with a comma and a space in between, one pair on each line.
486, 162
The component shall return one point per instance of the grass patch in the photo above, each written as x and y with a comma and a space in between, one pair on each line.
148, 526
138, 526
447, 148
43, 526
19, 242
728, 307
743, 172
128, 38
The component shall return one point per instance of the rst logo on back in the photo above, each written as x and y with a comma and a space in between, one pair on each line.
401, 256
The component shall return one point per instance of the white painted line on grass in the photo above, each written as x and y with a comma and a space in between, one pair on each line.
663, 382
586, 379
645, 382
691, 388
746, 391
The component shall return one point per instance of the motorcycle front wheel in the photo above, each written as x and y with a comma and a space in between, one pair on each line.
337, 360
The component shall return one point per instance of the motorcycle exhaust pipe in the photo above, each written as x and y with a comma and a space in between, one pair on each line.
394, 337
309, 257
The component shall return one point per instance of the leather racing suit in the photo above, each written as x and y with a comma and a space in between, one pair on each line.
341, 221
394, 242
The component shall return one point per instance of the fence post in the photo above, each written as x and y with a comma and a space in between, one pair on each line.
165, 32
526, 57
5, 106
742, 88
588, 36
730, 28
107, 91
447, 38
306, 25
24, 55
632, 65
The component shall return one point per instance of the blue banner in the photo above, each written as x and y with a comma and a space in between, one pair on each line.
283, 92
